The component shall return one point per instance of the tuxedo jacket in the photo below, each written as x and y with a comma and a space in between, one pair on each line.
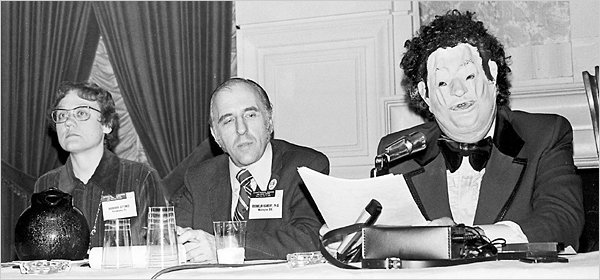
207, 197
529, 179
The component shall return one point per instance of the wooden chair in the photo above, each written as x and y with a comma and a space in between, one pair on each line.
591, 88
589, 237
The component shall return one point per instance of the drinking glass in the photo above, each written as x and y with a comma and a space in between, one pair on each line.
116, 251
230, 241
161, 242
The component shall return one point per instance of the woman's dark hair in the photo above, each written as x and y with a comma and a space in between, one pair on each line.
447, 31
93, 92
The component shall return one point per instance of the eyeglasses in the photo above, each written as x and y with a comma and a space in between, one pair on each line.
82, 113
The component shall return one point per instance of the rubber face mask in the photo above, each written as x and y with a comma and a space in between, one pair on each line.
460, 96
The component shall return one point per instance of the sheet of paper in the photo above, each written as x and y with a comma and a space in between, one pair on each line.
342, 200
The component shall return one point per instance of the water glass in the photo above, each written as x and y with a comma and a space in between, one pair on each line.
161, 242
116, 251
230, 241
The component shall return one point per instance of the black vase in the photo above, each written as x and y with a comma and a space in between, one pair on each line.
52, 228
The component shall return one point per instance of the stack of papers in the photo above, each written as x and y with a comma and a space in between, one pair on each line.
341, 201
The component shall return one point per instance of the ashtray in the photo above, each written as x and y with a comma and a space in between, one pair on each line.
305, 258
45, 266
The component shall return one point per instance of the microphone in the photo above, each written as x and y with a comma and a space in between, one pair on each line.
402, 147
405, 146
347, 249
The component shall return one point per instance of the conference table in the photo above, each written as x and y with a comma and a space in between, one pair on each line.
579, 266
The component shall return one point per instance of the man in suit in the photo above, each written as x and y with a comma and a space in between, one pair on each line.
519, 183
241, 123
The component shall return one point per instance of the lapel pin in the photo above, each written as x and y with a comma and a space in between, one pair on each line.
272, 184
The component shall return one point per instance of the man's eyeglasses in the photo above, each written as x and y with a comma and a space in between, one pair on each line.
80, 113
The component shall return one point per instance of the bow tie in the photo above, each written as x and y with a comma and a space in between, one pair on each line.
453, 152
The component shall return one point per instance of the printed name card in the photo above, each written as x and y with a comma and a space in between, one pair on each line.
120, 206
266, 204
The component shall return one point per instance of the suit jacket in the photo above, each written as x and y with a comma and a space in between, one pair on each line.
529, 179
207, 197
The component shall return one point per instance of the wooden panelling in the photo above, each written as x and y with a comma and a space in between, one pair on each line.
325, 80
570, 101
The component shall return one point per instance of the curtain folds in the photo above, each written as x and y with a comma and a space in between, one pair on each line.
168, 57
129, 146
43, 44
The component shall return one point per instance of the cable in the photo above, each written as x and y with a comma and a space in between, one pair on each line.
203, 265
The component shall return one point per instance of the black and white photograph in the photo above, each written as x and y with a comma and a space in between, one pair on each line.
300, 139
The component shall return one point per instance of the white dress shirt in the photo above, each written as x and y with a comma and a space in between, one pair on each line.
261, 173
463, 196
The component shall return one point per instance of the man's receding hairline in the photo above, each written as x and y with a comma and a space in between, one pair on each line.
234, 84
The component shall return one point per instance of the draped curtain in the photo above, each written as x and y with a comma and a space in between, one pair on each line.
168, 57
43, 44
129, 146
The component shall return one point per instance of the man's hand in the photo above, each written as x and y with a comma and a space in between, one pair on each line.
199, 245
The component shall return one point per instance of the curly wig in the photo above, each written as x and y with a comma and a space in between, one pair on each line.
448, 31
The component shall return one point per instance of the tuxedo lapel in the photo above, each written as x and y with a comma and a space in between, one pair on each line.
425, 175
429, 189
498, 186
501, 180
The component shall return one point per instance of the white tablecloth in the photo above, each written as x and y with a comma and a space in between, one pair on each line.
580, 266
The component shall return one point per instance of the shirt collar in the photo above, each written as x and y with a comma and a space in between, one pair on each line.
260, 170
106, 174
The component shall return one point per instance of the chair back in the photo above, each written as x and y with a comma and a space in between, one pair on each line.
17, 188
590, 83
173, 181
589, 238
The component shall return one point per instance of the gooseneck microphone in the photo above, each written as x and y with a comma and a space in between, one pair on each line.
402, 147
405, 146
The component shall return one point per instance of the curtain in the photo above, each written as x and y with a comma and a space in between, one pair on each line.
129, 146
43, 44
168, 57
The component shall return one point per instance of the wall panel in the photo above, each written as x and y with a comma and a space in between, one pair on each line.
325, 78
332, 67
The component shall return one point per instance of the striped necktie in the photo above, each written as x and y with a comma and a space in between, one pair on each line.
245, 179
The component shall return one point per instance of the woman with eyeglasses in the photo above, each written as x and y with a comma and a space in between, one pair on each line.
86, 123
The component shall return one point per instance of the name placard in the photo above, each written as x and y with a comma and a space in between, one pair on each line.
120, 206
266, 205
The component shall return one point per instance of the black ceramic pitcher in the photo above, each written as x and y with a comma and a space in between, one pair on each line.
52, 228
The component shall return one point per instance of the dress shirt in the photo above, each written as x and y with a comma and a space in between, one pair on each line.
463, 196
261, 173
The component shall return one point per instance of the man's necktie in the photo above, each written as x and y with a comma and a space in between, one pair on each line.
245, 179
453, 152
